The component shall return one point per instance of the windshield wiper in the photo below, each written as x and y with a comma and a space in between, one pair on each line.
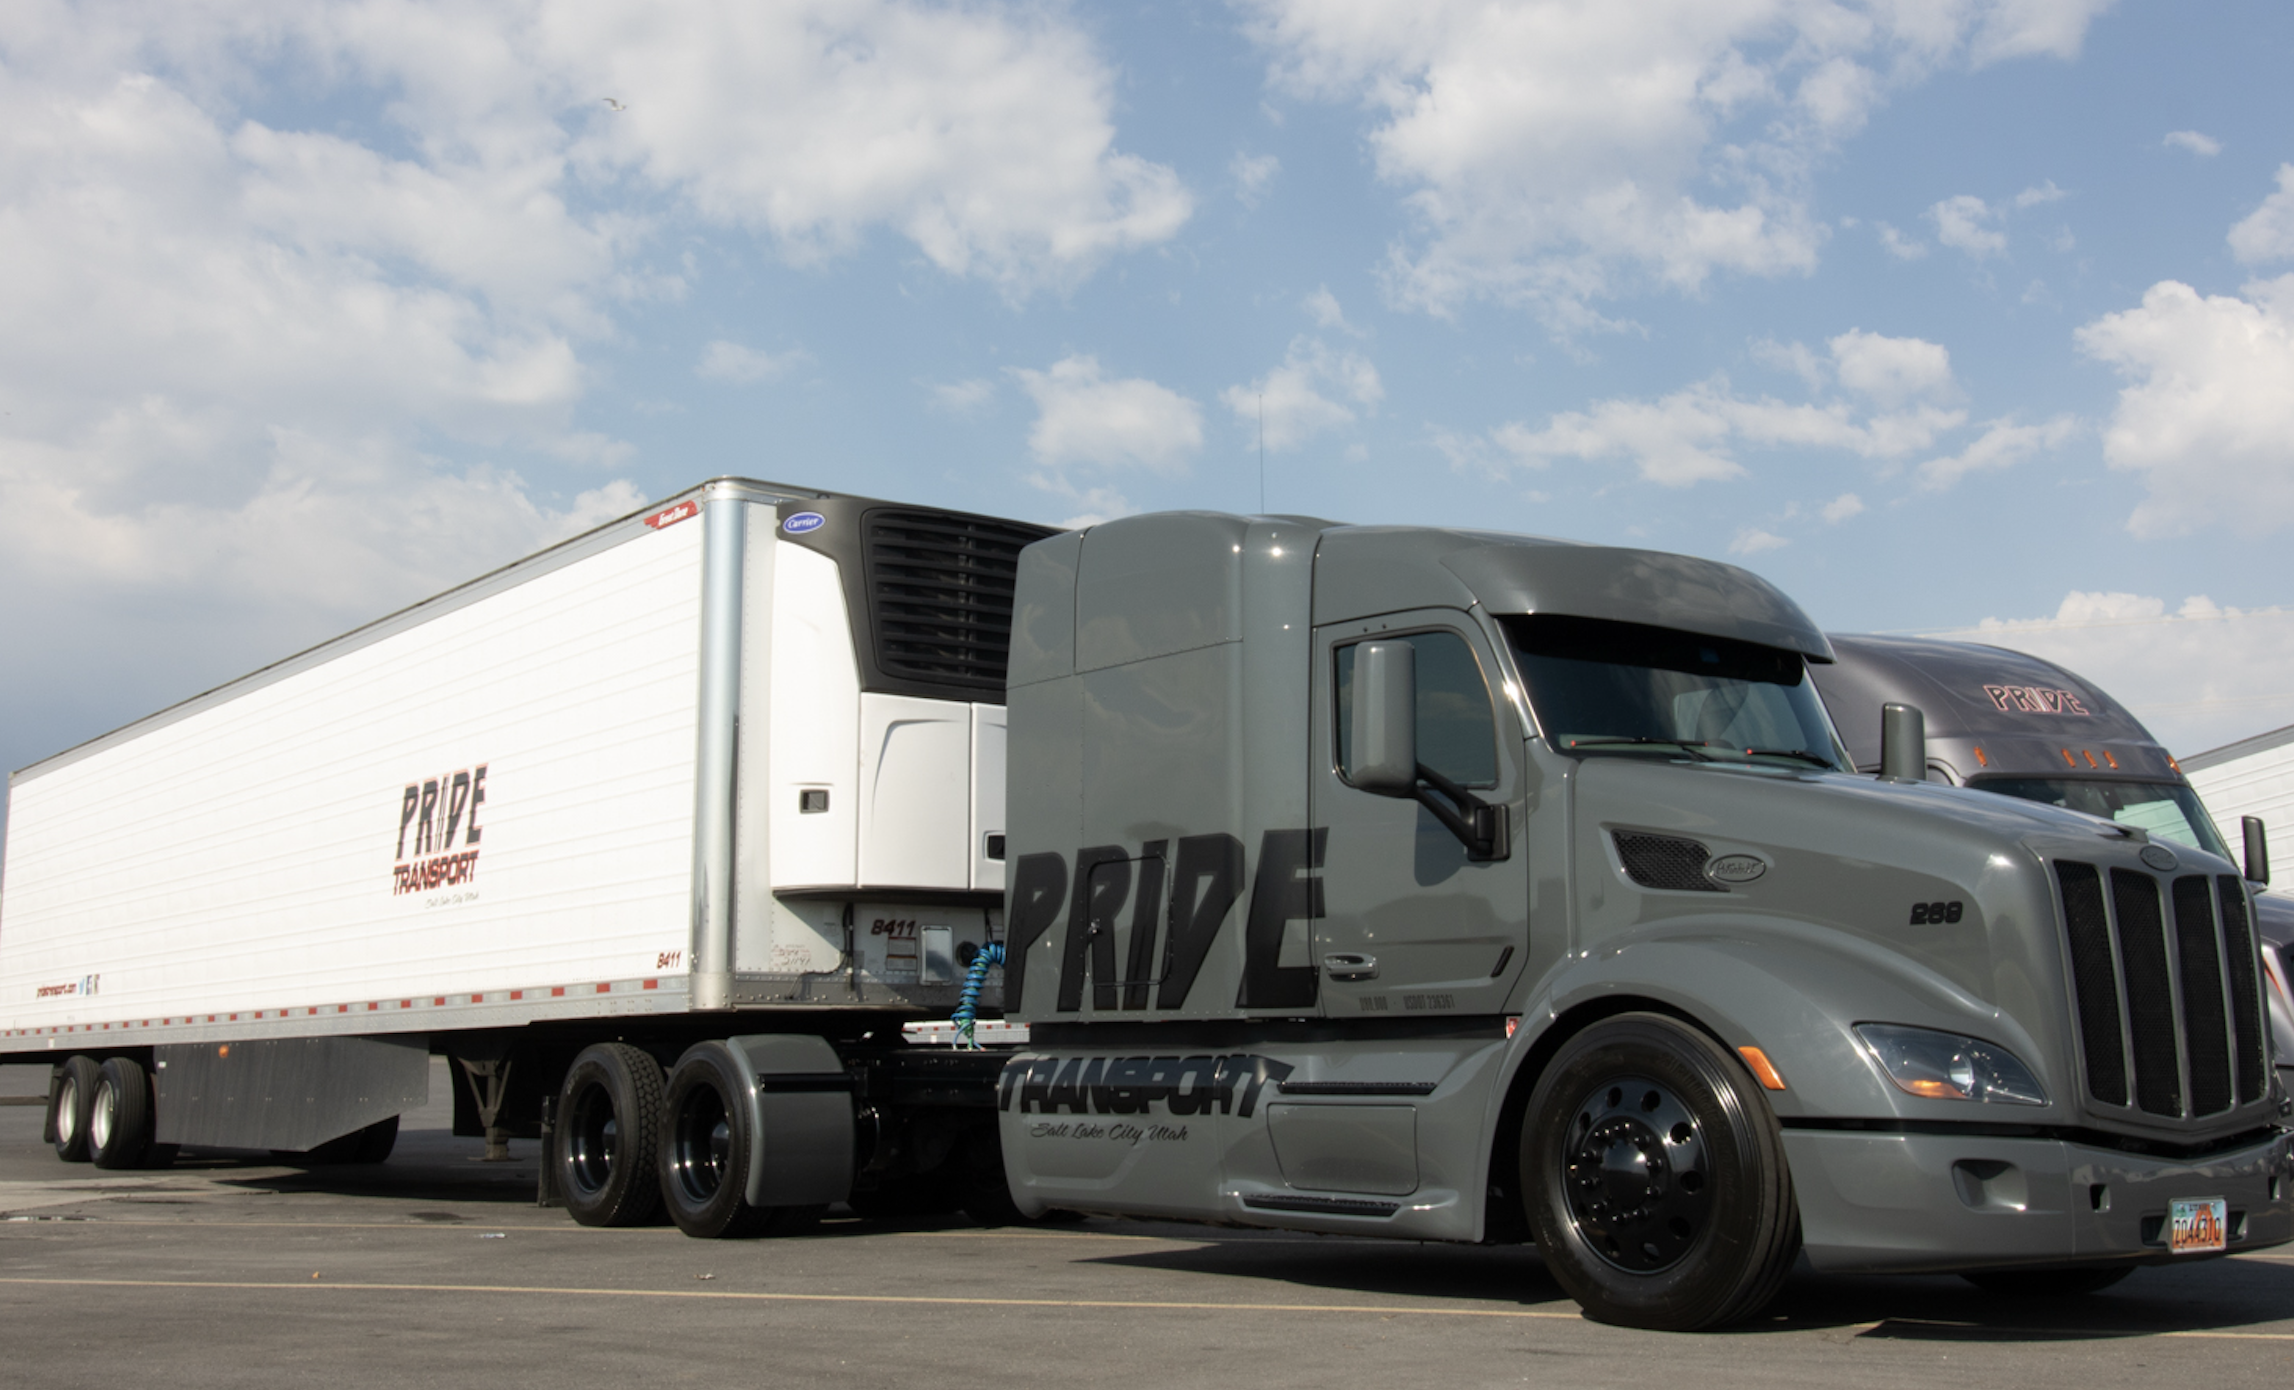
1803, 754
1692, 749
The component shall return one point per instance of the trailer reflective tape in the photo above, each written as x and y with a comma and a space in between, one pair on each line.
651, 984
557, 991
604, 988
515, 994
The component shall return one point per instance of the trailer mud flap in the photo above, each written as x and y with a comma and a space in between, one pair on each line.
286, 1093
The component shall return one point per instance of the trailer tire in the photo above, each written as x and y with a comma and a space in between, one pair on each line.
376, 1141
609, 1127
119, 1115
707, 1141
68, 1108
2068, 1281
1655, 1177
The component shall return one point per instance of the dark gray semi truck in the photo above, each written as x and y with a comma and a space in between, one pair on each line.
2005, 721
1458, 886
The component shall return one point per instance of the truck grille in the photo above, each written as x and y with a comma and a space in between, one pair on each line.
2170, 1016
940, 594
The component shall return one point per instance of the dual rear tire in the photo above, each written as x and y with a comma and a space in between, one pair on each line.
102, 1113
631, 1144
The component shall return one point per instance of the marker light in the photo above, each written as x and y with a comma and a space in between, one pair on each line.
2067, 758
2114, 762
1980, 760
2175, 765
1947, 1066
2090, 754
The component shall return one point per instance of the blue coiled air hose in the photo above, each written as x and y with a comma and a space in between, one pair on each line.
968, 1005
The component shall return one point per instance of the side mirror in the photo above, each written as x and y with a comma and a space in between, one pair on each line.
1384, 722
1903, 743
2257, 850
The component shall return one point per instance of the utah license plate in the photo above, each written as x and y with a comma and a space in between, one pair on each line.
2197, 1224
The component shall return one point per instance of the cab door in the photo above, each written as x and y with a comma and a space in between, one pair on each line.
1410, 922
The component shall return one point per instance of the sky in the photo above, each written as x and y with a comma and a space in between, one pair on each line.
1970, 317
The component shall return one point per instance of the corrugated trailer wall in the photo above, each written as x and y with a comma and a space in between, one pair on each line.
492, 806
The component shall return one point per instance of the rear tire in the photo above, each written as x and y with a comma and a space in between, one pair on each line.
68, 1112
2070, 1282
608, 1130
707, 1142
1655, 1178
119, 1115
376, 1141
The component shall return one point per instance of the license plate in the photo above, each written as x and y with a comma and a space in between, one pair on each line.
2197, 1224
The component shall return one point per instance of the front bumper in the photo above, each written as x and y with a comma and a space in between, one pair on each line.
1908, 1203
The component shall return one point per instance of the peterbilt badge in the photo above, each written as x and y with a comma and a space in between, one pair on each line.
2160, 858
1736, 868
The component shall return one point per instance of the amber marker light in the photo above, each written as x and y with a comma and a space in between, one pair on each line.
2067, 758
2175, 765
2114, 762
1763, 1070
2090, 755
1980, 760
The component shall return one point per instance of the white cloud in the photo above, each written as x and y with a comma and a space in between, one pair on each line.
1322, 306
1551, 154
2267, 233
1840, 508
2003, 444
1964, 224
1315, 389
1084, 418
729, 361
1751, 540
2198, 675
1902, 247
1252, 174
1691, 436
1891, 370
2040, 195
2206, 418
963, 397
2204, 146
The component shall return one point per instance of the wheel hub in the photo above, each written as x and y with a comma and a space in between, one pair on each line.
590, 1141
1634, 1175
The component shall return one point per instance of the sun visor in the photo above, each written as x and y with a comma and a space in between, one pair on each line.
1638, 586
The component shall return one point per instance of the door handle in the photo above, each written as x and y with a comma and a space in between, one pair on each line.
1350, 965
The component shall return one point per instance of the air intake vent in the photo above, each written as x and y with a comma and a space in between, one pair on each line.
940, 595
2181, 1004
1660, 861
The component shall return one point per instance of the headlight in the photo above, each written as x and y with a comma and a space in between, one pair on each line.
1947, 1066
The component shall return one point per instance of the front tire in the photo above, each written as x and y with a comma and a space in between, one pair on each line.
68, 1115
1655, 1176
609, 1127
119, 1115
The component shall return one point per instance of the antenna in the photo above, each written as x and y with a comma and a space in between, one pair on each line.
1262, 453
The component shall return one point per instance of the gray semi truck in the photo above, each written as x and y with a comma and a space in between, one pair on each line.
1405, 882
2005, 721
1456, 886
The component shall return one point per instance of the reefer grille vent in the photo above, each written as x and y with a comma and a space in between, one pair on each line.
2170, 1017
1661, 861
940, 595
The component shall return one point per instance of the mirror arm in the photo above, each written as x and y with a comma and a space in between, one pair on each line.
1478, 825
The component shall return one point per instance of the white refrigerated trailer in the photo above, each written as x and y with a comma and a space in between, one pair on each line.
719, 783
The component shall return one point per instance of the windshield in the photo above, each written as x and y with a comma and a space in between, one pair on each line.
2166, 810
1606, 687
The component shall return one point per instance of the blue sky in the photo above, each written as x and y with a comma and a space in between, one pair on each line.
1974, 316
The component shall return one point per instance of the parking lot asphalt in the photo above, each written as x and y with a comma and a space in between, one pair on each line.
231, 1269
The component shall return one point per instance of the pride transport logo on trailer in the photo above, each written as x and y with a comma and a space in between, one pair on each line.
433, 816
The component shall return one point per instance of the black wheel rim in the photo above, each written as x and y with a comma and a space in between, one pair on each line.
1634, 1172
592, 1134
700, 1144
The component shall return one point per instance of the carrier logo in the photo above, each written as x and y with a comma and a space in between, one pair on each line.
802, 522
435, 815
1200, 1085
2033, 699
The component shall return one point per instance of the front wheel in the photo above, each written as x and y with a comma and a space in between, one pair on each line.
1655, 1177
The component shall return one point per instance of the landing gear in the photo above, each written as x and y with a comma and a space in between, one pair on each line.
1655, 1177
